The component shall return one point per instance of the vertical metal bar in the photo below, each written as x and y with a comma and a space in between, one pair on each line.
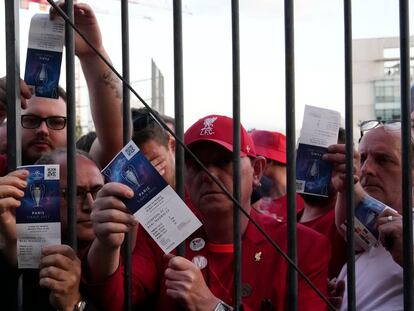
13, 84
291, 152
179, 104
161, 94
349, 155
71, 126
14, 156
406, 155
126, 137
236, 151
154, 97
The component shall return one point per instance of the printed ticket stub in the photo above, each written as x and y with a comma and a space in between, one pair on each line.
38, 217
319, 130
365, 221
44, 55
155, 204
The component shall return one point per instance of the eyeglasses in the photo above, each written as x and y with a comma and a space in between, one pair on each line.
30, 121
392, 125
82, 192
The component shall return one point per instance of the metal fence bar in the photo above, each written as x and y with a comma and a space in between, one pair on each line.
406, 154
349, 155
126, 137
179, 104
13, 84
291, 152
236, 152
236, 203
71, 126
14, 156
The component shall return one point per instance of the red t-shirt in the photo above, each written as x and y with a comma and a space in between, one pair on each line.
3, 165
277, 208
264, 270
325, 225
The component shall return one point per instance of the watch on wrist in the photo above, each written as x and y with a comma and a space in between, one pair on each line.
80, 306
221, 306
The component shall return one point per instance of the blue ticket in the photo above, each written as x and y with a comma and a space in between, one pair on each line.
38, 217
44, 55
155, 204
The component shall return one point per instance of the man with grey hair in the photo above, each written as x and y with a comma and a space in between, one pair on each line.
57, 280
378, 271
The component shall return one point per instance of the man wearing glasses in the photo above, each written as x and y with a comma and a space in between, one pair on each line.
377, 172
44, 120
58, 277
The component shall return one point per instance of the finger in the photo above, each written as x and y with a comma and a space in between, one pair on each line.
389, 233
178, 285
7, 191
83, 9
16, 179
64, 250
25, 90
60, 261
340, 288
109, 228
109, 202
48, 283
388, 215
118, 214
180, 263
54, 273
334, 157
60, 286
117, 190
8, 205
337, 148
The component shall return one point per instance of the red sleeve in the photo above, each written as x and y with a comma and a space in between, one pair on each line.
314, 253
3, 165
147, 269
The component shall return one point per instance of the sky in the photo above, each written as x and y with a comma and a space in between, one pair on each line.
319, 56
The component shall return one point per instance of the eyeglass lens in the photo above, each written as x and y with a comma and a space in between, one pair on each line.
33, 121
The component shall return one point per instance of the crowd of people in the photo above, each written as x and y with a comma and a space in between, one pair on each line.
92, 277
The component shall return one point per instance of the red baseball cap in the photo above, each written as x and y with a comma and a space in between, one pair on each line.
271, 145
219, 129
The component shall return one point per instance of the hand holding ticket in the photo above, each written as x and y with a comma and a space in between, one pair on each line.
155, 204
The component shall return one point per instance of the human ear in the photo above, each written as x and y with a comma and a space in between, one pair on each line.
259, 164
171, 143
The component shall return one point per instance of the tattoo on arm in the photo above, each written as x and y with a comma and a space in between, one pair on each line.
113, 82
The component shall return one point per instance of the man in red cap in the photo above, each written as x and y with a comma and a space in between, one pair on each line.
272, 146
203, 279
